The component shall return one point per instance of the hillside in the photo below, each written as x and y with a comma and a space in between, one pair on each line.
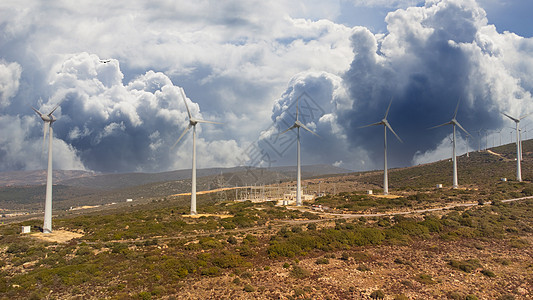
73, 188
420, 243
38, 177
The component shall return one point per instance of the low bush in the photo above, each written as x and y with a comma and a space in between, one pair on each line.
322, 261
378, 294
299, 272
467, 266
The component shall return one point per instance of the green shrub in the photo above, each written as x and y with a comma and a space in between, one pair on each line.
17, 248
378, 294
322, 261
467, 266
299, 272
211, 271
232, 240
120, 248
488, 273
84, 250
425, 279
250, 238
144, 296
249, 288
363, 268
228, 261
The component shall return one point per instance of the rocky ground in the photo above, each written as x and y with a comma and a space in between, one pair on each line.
420, 270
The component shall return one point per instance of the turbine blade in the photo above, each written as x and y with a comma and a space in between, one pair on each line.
293, 126
387, 112
297, 108
305, 127
373, 124
459, 125
182, 134
508, 116
392, 130
210, 122
185, 101
447, 123
524, 116
456, 109
37, 112
54, 109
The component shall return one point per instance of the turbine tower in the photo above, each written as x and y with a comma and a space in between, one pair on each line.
297, 124
518, 150
192, 124
48, 119
454, 123
386, 126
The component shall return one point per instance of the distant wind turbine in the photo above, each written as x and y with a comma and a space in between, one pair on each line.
386, 126
48, 119
454, 123
467, 148
192, 124
500, 133
518, 150
297, 124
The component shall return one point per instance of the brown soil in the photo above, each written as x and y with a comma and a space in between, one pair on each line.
394, 269
57, 236
207, 215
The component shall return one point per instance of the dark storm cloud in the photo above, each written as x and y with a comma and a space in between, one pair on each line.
432, 57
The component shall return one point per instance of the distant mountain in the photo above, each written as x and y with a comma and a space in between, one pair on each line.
246, 175
38, 177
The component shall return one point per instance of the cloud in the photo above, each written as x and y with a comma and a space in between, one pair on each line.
20, 149
318, 95
245, 63
432, 57
127, 127
441, 151
234, 57
9, 81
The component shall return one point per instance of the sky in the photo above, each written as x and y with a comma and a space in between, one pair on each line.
116, 69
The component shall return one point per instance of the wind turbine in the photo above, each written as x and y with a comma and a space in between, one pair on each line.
454, 123
386, 125
48, 119
192, 124
500, 133
518, 150
297, 124
467, 148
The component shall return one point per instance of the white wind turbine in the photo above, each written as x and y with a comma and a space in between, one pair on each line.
454, 123
518, 148
192, 124
297, 124
48, 119
386, 125
500, 133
